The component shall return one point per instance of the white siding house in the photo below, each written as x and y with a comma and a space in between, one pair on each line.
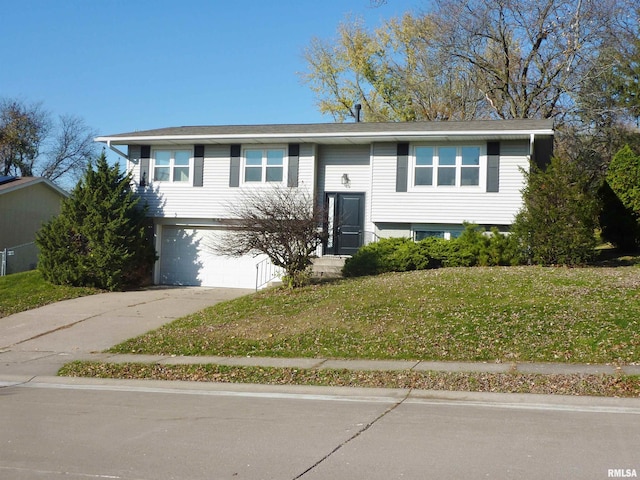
375, 180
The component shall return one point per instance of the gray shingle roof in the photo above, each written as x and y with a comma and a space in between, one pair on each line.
332, 132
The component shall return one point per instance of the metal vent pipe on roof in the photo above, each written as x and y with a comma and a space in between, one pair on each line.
358, 107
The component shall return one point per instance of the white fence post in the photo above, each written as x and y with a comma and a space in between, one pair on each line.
24, 258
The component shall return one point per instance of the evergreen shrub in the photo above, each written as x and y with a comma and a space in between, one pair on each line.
101, 237
474, 247
556, 225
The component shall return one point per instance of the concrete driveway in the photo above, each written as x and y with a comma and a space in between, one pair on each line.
41, 340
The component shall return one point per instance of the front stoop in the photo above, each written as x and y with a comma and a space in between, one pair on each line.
329, 266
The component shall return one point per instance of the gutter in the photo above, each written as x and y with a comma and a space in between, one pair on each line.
323, 135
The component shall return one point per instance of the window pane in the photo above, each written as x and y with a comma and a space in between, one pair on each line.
163, 158
470, 176
424, 176
182, 157
275, 157
422, 234
447, 155
274, 174
446, 176
424, 156
181, 174
470, 156
253, 157
161, 174
253, 174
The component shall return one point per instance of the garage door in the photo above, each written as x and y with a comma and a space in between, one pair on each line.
186, 258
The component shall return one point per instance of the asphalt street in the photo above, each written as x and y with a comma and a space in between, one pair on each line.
67, 428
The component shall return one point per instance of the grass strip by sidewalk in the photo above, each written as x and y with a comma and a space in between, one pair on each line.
578, 384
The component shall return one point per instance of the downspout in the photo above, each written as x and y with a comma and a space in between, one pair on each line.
119, 152
532, 153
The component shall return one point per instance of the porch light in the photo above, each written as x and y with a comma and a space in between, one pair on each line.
345, 180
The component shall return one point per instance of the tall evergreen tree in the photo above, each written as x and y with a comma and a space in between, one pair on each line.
624, 178
556, 225
619, 225
620, 195
100, 237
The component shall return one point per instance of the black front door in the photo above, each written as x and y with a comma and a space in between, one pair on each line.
345, 223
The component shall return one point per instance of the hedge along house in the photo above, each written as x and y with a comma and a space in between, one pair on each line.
375, 180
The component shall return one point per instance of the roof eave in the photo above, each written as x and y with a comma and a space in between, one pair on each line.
33, 181
322, 137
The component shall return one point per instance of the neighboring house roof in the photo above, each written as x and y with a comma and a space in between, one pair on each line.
9, 184
360, 132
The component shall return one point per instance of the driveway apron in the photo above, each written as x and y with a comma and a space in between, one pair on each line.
41, 340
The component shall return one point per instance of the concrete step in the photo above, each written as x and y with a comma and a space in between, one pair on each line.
329, 266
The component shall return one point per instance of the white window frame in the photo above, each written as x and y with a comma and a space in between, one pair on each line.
482, 168
172, 166
264, 166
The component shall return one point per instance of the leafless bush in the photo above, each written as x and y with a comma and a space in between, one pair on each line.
282, 223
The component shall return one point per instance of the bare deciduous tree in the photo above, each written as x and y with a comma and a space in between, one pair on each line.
282, 223
23, 129
31, 143
529, 58
69, 150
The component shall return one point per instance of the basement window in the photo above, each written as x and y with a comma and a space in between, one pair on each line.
422, 234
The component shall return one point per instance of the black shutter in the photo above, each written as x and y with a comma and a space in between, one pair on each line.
294, 160
198, 165
402, 167
234, 167
145, 157
493, 166
542, 151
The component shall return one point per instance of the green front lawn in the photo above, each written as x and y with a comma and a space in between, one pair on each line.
496, 314
27, 290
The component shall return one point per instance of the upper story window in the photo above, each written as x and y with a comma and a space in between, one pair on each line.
446, 166
470, 166
264, 165
424, 165
172, 165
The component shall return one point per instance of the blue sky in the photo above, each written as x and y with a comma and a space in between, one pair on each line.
126, 65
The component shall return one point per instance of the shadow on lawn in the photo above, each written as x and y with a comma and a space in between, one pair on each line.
611, 257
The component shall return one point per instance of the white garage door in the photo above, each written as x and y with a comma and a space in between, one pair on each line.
187, 258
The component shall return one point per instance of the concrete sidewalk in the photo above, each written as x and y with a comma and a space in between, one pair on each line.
373, 365
40, 341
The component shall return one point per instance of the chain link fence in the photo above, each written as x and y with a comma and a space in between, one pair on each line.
20, 258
